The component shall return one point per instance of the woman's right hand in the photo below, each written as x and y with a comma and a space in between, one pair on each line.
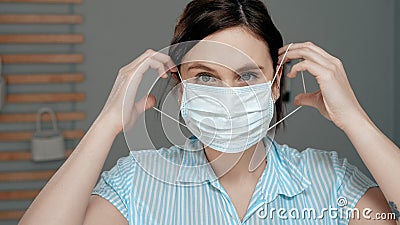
87, 160
129, 77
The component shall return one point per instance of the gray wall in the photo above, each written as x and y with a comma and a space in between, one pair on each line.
360, 32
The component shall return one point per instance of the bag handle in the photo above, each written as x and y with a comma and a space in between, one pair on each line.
39, 118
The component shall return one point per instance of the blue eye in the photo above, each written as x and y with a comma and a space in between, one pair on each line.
204, 77
248, 76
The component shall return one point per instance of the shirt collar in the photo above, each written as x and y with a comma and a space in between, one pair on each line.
281, 176
195, 167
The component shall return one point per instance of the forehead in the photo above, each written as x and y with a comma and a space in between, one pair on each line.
233, 48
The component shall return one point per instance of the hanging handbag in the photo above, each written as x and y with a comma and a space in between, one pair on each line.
47, 145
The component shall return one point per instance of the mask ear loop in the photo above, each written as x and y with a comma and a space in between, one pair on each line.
281, 63
304, 89
165, 114
254, 165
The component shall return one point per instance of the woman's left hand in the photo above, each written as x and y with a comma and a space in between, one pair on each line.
335, 100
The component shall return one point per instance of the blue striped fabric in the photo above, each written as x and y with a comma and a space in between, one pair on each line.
176, 186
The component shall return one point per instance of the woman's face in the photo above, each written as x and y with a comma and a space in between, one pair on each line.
247, 63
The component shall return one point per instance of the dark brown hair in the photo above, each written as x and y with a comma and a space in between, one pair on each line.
202, 18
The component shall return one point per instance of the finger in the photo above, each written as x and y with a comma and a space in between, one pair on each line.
314, 100
163, 58
166, 60
154, 64
134, 77
303, 53
306, 45
145, 103
315, 69
145, 55
307, 99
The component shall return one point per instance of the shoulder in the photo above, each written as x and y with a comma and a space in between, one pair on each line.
154, 161
173, 153
117, 183
127, 167
309, 157
328, 174
322, 164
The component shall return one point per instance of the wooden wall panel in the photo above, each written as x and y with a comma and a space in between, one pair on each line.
44, 78
31, 117
22, 155
41, 58
26, 176
40, 19
11, 214
41, 38
45, 98
18, 195
26, 135
42, 1
41, 79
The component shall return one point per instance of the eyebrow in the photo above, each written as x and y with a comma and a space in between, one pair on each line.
246, 67
201, 66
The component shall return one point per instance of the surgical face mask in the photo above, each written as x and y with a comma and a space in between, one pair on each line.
228, 119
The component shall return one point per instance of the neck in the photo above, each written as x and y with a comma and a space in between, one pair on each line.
236, 167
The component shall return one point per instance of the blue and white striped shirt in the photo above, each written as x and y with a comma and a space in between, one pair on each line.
177, 186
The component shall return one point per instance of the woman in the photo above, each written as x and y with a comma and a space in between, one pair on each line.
286, 179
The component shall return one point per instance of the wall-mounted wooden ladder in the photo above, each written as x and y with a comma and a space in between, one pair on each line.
44, 78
